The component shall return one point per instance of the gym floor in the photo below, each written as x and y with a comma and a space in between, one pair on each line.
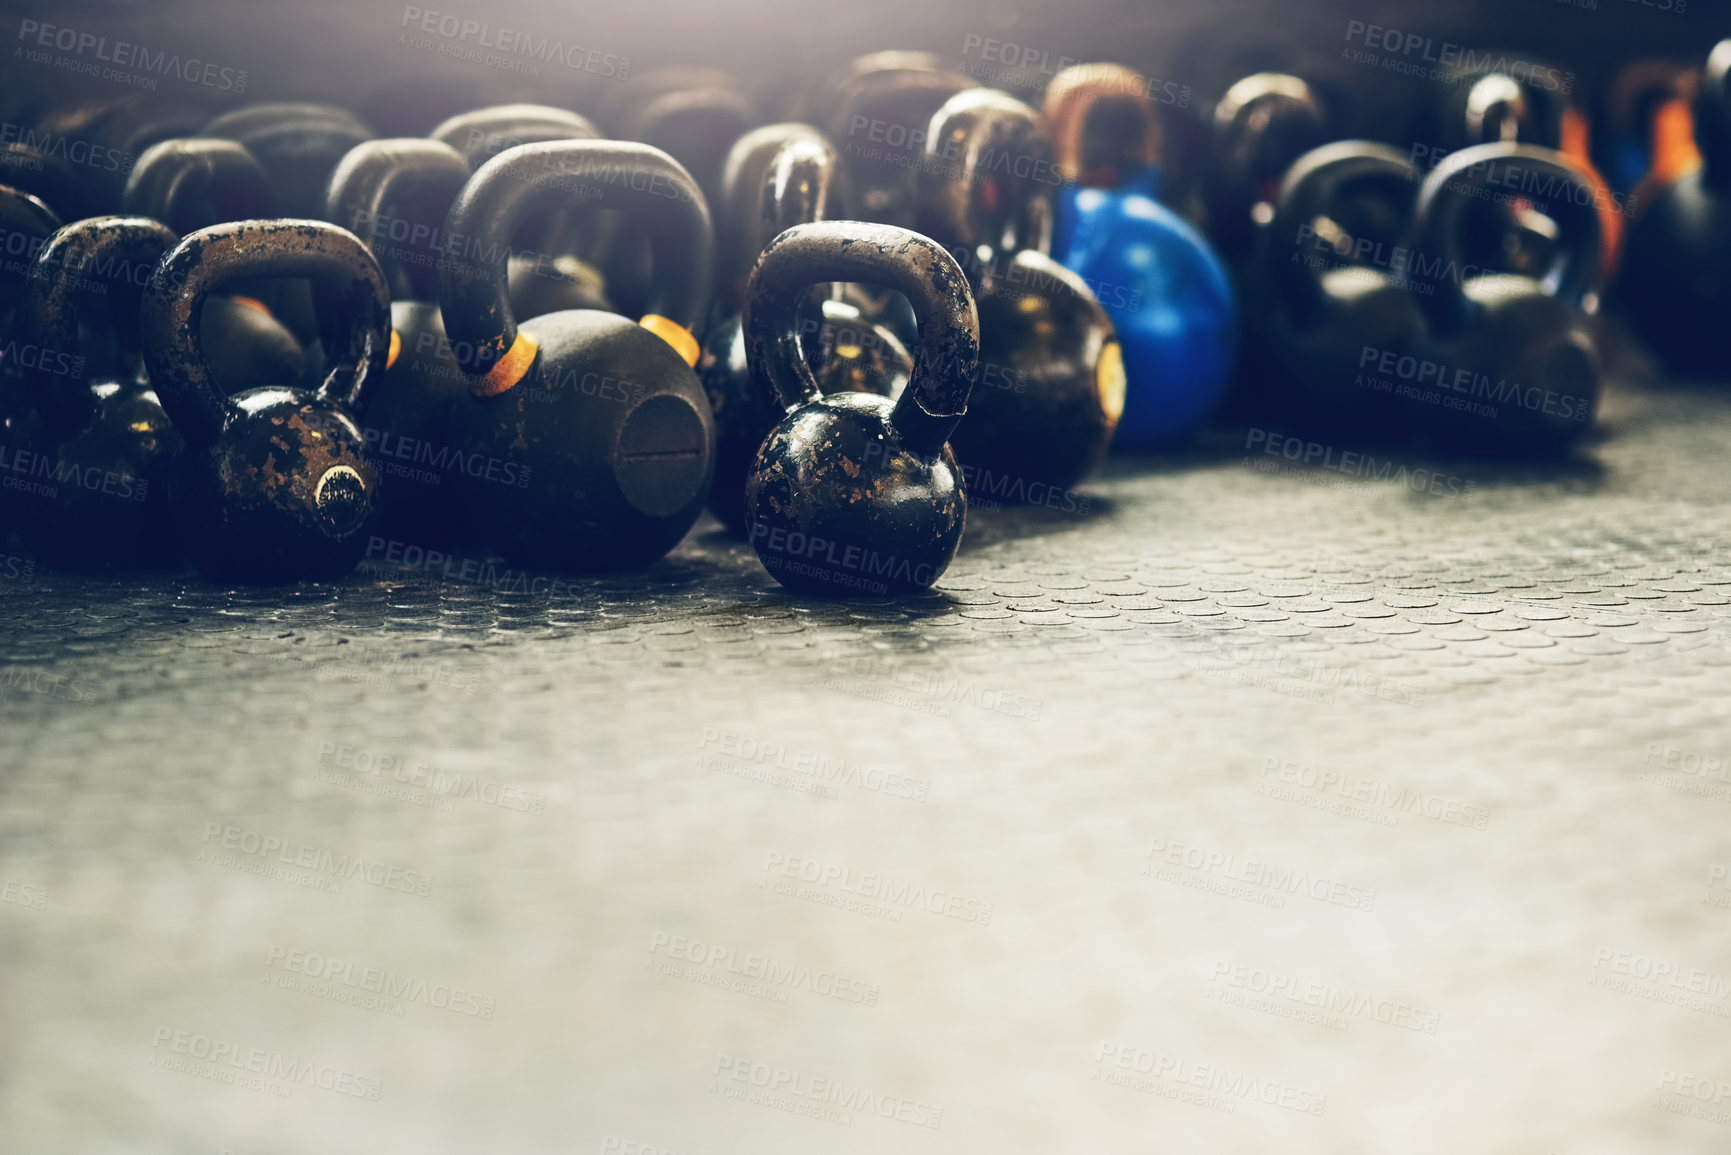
1242, 804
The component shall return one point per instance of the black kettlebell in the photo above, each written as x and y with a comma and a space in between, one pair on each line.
298, 144
554, 265
277, 483
25, 226
695, 119
94, 493
112, 133
1333, 294
190, 184
778, 177
853, 493
26, 223
880, 120
1508, 364
604, 416
395, 196
1676, 282
1050, 383
51, 177
1528, 101
1262, 124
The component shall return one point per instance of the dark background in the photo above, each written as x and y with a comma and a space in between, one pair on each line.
349, 52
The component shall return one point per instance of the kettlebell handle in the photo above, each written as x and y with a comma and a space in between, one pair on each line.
775, 177
174, 179
1078, 93
480, 135
936, 396
653, 190
380, 181
1482, 172
1316, 183
986, 156
58, 291
341, 268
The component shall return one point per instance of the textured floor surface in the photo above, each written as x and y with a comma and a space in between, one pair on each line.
1241, 808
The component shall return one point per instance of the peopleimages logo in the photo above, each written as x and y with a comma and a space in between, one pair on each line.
123, 55
476, 40
1410, 52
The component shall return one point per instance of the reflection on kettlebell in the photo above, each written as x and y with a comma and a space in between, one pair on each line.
95, 431
1163, 286
604, 417
277, 483
190, 184
1676, 284
395, 196
775, 178
1508, 364
853, 493
1049, 386
1329, 297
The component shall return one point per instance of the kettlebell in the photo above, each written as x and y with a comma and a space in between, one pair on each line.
112, 133
775, 178
395, 196
545, 274
853, 493
1676, 286
1335, 296
276, 484
298, 144
604, 417
1507, 365
102, 450
188, 184
1529, 103
1641, 94
50, 177
1261, 125
25, 226
1050, 387
1164, 288
26, 223
881, 121
695, 119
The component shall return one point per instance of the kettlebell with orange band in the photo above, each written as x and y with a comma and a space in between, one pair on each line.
394, 195
547, 274
276, 483
603, 417
1676, 285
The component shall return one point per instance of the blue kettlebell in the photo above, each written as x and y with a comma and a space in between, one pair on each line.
1159, 280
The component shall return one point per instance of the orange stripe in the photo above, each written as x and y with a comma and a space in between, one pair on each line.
510, 368
674, 334
1575, 142
396, 348
253, 303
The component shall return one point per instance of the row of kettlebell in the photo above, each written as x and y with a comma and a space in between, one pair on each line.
1664, 219
582, 441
